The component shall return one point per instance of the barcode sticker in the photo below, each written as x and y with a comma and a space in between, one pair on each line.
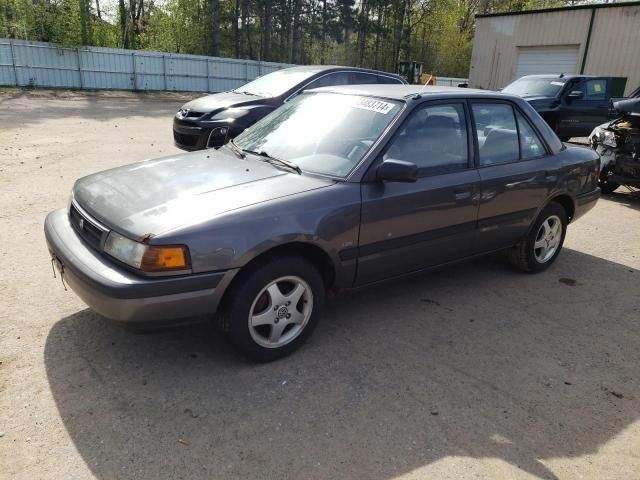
377, 106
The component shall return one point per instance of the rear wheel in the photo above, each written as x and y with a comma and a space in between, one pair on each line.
544, 242
274, 307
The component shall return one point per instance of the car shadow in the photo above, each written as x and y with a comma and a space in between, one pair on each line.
98, 105
476, 361
627, 196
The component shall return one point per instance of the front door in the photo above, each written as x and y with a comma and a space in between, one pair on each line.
409, 226
579, 116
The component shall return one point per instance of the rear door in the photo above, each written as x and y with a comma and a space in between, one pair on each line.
516, 173
410, 226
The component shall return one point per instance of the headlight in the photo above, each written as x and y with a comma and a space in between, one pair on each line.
605, 137
148, 258
230, 114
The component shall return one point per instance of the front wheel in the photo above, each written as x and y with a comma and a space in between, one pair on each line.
544, 242
274, 307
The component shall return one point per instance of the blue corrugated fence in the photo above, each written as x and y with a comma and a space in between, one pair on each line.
41, 64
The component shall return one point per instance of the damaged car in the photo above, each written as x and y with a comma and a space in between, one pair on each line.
618, 143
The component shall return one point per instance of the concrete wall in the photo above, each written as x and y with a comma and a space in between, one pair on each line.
614, 48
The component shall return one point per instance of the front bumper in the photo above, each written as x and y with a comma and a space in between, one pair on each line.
189, 136
123, 296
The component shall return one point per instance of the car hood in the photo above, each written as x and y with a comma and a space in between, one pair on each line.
219, 101
152, 197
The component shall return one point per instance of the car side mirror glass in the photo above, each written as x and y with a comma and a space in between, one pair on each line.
392, 170
575, 95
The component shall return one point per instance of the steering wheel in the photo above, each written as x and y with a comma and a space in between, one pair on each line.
359, 149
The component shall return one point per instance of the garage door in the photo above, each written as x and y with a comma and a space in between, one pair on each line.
541, 60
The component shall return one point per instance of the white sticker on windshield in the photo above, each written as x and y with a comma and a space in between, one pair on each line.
557, 83
377, 106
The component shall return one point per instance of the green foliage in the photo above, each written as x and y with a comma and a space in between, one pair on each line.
371, 33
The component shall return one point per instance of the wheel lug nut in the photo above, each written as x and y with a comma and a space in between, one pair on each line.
276, 320
288, 315
288, 303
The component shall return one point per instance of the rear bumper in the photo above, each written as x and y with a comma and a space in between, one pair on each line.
123, 296
585, 202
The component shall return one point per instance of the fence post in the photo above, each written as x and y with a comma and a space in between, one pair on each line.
133, 64
246, 71
13, 60
79, 67
206, 60
164, 70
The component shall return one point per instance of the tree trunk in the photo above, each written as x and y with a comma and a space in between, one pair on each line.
296, 50
323, 38
98, 9
362, 31
244, 38
215, 28
266, 31
236, 30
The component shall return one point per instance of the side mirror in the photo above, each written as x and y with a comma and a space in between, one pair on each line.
397, 171
575, 95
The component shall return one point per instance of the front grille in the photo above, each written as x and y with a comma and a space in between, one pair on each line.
186, 140
192, 114
89, 231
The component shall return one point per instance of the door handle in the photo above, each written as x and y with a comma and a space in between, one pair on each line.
463, 195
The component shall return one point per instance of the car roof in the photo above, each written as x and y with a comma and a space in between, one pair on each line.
329, 68
402, 92
556, 76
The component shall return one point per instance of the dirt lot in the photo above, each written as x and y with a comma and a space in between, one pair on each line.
477, 371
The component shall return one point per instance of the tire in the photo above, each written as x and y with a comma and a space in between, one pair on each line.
526, 256
257, 317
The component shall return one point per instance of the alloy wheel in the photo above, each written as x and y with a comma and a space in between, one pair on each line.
280, 311
548, 239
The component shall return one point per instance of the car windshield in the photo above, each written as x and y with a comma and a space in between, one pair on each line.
275, 83
544, 87
325, 133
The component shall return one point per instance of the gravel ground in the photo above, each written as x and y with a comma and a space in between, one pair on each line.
476, 371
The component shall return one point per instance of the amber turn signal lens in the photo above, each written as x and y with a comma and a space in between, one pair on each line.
157, 259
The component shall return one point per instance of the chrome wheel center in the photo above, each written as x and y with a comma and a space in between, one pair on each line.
280, 311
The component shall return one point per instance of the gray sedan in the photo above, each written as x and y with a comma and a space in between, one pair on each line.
339, 188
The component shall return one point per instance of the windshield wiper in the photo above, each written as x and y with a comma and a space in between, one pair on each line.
236, 149
273, 160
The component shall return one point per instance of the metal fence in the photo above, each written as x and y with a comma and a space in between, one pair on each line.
450, 81
40, 64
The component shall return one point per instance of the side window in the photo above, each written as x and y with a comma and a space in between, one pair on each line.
360, 78
497, 133
388, 80
434, 138
330, 80
530, 144
595, 89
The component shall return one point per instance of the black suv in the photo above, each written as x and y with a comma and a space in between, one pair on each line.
208, 122
573, 105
